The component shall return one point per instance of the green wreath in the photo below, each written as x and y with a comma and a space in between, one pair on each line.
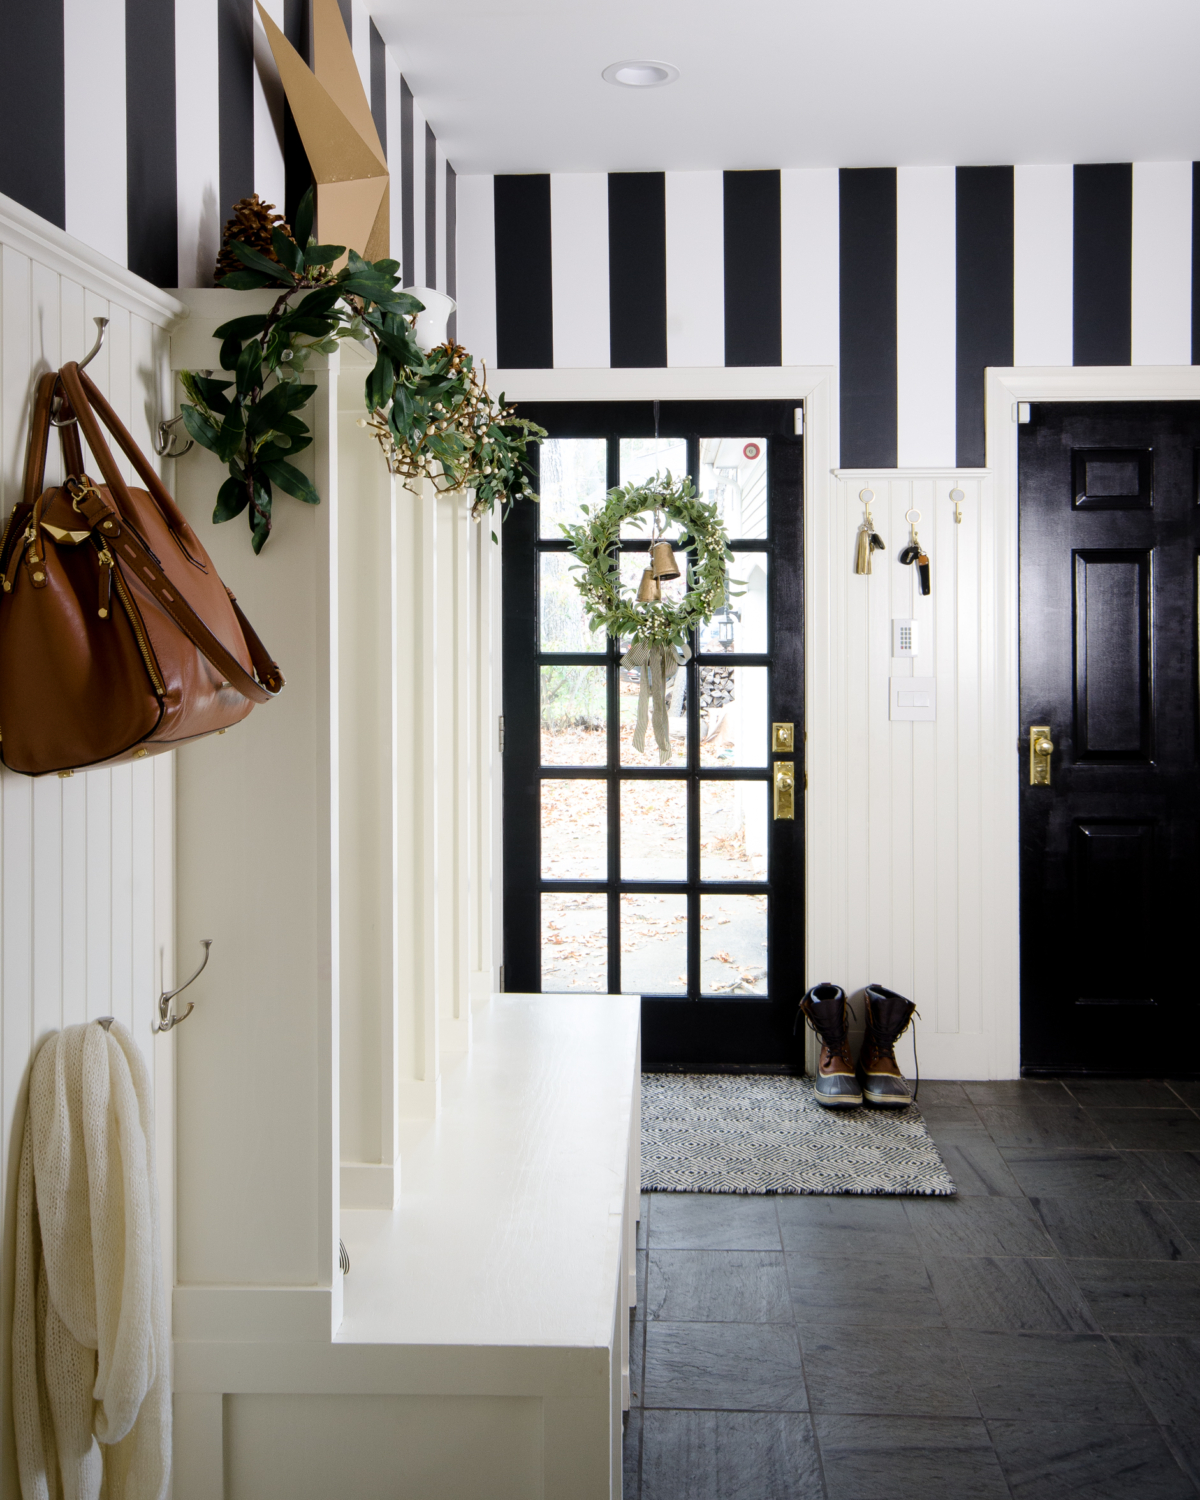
609, 605
658, 628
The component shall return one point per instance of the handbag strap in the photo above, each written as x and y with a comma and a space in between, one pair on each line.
118, 523
39, 439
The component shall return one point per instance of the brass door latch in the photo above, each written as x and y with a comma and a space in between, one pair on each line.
785, 789
783, 738
1041, 748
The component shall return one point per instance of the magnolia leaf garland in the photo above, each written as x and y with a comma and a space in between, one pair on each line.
431, 412
658, 629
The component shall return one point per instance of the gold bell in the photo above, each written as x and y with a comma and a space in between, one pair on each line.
662, 561
648, 590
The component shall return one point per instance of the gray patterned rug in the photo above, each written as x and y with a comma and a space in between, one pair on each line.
737, 1133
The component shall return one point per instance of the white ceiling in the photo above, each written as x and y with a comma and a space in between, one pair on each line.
514, 85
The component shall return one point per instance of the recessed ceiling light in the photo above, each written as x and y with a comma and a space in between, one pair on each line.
640, 74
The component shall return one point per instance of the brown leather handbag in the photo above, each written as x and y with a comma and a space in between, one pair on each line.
117, 638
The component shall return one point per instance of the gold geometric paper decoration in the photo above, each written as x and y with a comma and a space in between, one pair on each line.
335, 123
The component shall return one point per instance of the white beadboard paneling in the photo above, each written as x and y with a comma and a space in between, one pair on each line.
809, 240
1162, 263
904, 836
695, 206
94, 120
477, 267
925, 335
579, 261
269, 177
1043, 275
86, 897
198, 152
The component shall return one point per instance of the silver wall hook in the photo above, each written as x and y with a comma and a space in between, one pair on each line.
101, 330
165, 1019
164, 443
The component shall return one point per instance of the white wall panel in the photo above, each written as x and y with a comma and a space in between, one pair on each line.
270, 181
420, 272
1043, 275
477, 267
925, 336
579, 260
94, 121
906, 818
809, 293
1162, 263
695, 268
198, 152
361, 42
85, 861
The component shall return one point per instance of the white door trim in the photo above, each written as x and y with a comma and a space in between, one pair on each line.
1004, 389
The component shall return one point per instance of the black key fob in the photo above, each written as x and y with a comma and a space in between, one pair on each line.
923, 572
877, 542
911, 554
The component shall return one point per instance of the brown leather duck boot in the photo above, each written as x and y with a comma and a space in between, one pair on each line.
835, 1086
888, 1018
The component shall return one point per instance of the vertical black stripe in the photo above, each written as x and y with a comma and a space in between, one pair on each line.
1103, 264
867, 314
452, 247
1196, 262
32, 128
983, 259
407, 233
524, 300
235, 71
151, 209
379, 85
637, 269
753, 312
347, 9
431, 265
297, 172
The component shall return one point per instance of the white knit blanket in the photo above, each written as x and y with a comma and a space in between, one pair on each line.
91, 1371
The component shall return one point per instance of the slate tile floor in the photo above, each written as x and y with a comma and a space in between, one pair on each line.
1036, 1337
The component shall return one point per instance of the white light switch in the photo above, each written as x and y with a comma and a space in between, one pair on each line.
904, 638
913, 697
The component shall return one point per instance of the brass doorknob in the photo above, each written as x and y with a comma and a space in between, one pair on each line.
1041, 748
1043, 745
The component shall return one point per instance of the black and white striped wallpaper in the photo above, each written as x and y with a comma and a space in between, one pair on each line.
910, 280
136, 124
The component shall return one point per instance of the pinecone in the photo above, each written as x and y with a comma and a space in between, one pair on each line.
252, 223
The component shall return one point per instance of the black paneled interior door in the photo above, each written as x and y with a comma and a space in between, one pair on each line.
1109, 548
622, 875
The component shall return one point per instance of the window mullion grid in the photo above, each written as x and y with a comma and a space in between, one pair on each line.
693, 781
613, 694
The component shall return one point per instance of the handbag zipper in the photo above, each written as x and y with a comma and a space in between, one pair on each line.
139, 634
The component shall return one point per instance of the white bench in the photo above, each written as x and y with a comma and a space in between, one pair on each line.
483, 1352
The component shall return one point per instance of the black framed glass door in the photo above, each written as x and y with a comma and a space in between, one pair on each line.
621, 875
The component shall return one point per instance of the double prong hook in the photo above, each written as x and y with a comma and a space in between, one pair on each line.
101, 330
165, 1019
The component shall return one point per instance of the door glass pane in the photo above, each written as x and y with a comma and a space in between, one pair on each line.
574, 715
733, 945
628, 692
654, 945
734, 716
574, 830
733, 474
563, 625
653, 830
572, 474
574, 943
733, 830
740, 625
641, 460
